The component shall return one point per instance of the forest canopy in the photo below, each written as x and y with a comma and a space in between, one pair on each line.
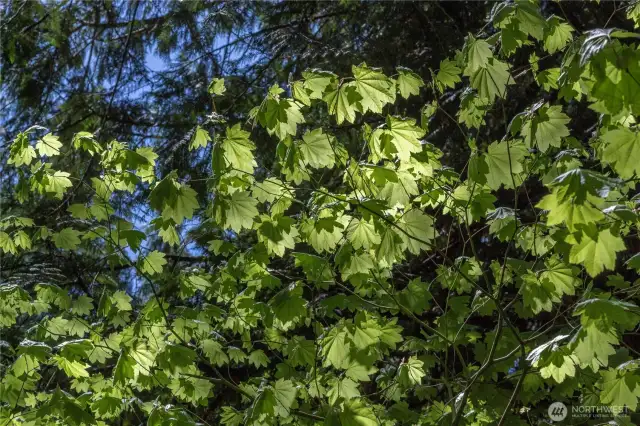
319, 213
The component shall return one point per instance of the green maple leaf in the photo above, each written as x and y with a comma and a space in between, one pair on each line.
277, 234
478, 55
596, 251
335, 348
530, 19
124, 369
263, 407
375, 88
365, 334
213, 350
548, 78
238, 149
284, 393
343, 102
163, 415
634, 14
23, 221
133, 238
556, 35
553, 361
323, 233
101, 211
319, 82
216, 87
6, 243
401, 191
176, 201
619, 388
153, 263
199, 390
231, 417
79, 211
25, 364
356, 412
21, 152
317, 269
342, 388
362, 234
199, 139
56, 327
615, 84
289, 306
605, 313
20, 239
107, 407
68, 409
316, 149
593, 346
461, 278
182, 205
121, 300
411, 372
68, 238
238, 211
71, 368
448, 75
634, 262
563, 277
416, 296
143, 358
538, 295
37, 350
426, 112
418, 230
196, 282
409, 83
504, 160
174, 358
622, 150
404, 135
100, 354
293, 165
568, 211
57, 183
280, 117
471, 205
77, 327
191, 389
390, 247
512, 37
301, 351
270, 190
547, 128
359, 372
472, 109
359, 265
145, 168
258, 358
299, 92
83, 305
492, 80
86, 141
49, 145
558, 367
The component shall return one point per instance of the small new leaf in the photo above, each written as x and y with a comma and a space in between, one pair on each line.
153, 263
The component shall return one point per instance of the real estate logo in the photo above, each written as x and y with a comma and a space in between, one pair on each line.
557, 411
